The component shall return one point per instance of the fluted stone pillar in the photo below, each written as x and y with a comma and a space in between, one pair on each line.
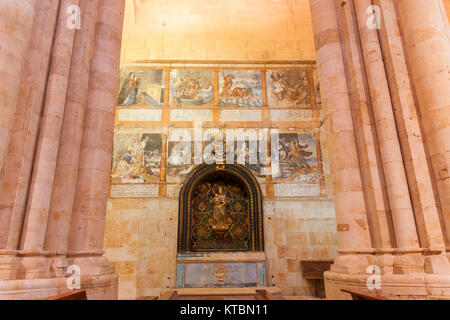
88, 218
409, 253
428, 52
367, 70
426, 209
41, 188
16, 172
81, 76
16, 18
377, 202
35, 224
353, 232
66, 175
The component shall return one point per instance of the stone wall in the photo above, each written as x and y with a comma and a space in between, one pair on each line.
142, 216
218, 30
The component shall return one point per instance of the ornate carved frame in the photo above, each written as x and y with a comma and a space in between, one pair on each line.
255, 196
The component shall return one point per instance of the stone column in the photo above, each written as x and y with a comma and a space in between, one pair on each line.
353, 232
16, 18
391, 154
41, 188
16, 173
66, 175
378, 210
414, 153
88, 217
428, 53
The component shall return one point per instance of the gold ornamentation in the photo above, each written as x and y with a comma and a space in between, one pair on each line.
192, 217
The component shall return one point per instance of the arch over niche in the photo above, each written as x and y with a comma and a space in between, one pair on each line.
220, 209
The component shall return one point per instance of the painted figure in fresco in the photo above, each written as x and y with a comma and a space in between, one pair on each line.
179, 160
152, 161
241, 88
283, 149
125, 166
176, 156
128, 93
131, 164
242, 154
297, 154
242, 92
187, 88
279, 87
207, 93
138, 149
181, 87
289, 90
226, 87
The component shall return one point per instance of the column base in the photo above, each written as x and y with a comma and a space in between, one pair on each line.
34, 267
437, 264
102, 287
392, 286
13, 266
352, 263
91, 265
408, 262
9, 264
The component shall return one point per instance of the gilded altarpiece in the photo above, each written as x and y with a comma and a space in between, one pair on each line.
220, 210
220, 237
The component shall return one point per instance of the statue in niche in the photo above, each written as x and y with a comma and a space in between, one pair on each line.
220, 214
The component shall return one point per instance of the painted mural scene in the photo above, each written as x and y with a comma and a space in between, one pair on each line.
297, 154
180, 160
240, 88
136, 158
191, 87
250, 154
288, 88
141, 87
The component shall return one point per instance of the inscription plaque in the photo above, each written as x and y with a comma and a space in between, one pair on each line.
134, 191
297, 190
139, 115
191, 115
241, 115
290, 115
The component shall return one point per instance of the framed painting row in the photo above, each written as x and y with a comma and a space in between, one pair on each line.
288, 87
143, 156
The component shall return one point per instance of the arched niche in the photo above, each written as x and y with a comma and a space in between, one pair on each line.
220, 209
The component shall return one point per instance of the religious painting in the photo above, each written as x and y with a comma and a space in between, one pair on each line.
248, 150
297, 158
220, 216
240, 88
288, 88
141, 87
250, 154
191, 87
180, 160
136, 158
